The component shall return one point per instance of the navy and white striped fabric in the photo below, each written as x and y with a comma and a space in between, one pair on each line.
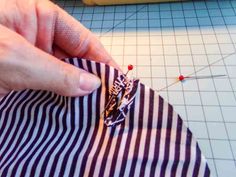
44, 134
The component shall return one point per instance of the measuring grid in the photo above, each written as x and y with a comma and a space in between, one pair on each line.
169, 39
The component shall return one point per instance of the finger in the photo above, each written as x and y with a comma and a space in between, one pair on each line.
15, 15
46, 17
76, 40
25, 24
54, 75
23, 66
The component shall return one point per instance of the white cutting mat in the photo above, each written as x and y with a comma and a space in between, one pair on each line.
169, 39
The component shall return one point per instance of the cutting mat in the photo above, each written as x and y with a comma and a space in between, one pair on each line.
169, 39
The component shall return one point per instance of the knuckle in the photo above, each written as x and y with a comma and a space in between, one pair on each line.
46, 9
84, 44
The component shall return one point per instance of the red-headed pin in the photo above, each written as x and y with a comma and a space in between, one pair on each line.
130, 67
182, 78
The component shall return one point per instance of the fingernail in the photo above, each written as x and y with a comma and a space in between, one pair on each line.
89, 82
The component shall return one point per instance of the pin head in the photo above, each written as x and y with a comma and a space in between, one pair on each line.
181, 78
130, 67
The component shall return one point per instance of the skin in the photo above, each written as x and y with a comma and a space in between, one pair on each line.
34, 34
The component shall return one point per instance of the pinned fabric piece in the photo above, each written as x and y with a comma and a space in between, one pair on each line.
44, 134
121, 98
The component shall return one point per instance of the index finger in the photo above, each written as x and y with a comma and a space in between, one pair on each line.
76, 40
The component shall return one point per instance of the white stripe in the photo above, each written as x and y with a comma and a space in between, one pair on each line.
163, 138
72, 153
172, 145
62, 154
78, 144
154, 134
202, 166
182, 150
122, 148
143, 132
134, 136
192, 158
111, 151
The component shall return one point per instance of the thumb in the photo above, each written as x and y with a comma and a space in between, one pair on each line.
23, 66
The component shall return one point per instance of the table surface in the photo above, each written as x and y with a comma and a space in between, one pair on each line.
165, 40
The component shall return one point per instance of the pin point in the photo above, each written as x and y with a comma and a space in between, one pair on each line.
182, 77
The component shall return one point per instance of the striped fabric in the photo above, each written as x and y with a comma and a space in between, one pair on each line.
44, 134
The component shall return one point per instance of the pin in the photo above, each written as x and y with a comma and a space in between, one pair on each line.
121, 97
182, 77
115, 90
130, 67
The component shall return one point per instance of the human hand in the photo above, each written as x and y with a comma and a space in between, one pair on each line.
33, 35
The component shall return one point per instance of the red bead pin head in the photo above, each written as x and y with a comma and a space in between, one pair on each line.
181, 78
130, 67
